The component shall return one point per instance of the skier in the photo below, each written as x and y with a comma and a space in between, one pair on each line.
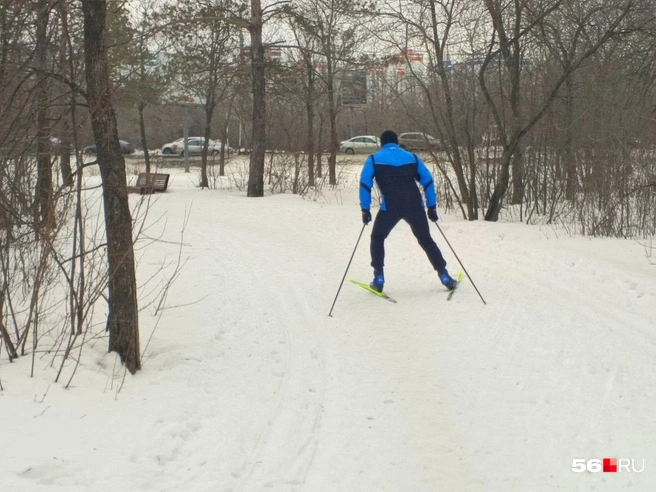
395, 171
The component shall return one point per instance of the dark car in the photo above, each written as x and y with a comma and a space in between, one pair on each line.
419, 141
126, 148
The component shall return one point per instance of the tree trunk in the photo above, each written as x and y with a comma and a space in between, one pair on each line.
142, 130
320, 148
4, 43
122, 319
510, 49
494, 207
65, 152
472, 203
224, 139
222, 154
451, 139
256, 166
332, 115
518, 176
65, 130
209, 112
570, 163
309, 109
11, 350
517, 158
297, 174
44, 198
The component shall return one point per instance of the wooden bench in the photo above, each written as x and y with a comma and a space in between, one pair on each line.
150, 183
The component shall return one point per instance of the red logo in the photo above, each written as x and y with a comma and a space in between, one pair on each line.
610, 465
607, 465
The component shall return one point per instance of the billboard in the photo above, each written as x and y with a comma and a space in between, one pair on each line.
187, 100
354, 88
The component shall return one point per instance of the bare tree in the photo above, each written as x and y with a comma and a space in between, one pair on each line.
333, 25
511, 27
430, 25
307, 48
122, 321
256, 167
44, 161
148, 79
204, 64
67, 112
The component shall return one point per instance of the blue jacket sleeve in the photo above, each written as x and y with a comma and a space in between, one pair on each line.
426, 180
366, 184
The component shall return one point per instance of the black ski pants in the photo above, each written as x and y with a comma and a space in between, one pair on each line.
416, 218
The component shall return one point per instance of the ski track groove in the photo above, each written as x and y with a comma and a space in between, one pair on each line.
287, 308
589, 307
292, 315
566, 293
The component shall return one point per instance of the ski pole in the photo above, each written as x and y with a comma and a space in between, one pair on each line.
463, 266
347, 267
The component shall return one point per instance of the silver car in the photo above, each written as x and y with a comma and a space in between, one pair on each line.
364, 144
419, 141
195, 146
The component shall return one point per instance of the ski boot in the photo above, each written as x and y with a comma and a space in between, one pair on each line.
378, 281
446, 280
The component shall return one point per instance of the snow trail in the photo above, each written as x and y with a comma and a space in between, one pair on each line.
249, 386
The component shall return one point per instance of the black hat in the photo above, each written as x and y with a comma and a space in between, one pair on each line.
388, 136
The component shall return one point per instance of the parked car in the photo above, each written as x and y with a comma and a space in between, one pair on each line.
174, 147
419, 141
364, 144
126, 148
195, 146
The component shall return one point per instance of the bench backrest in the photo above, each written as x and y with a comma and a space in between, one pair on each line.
159, 182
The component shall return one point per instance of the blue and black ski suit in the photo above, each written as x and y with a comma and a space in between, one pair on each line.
397, 172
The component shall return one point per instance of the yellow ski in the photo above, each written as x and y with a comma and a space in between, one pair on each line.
373, 291
448, 298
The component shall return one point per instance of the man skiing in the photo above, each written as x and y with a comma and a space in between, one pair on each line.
396, 172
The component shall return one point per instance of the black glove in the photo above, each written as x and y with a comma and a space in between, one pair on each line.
366, 217
432, 214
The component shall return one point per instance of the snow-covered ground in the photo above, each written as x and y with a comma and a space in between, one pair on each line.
248, 385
